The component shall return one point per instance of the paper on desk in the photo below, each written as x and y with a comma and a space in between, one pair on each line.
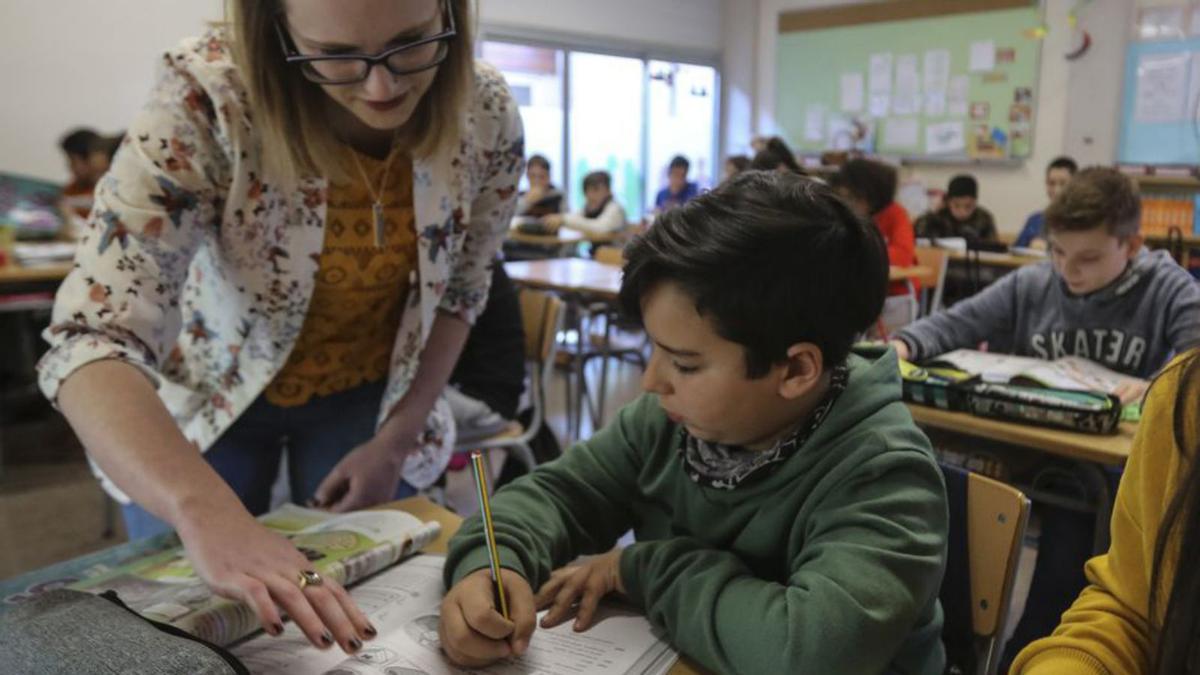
403, 604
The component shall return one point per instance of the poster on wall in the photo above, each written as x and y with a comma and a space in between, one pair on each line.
852, 92
901, 133
1161, 87
957, 101
945, 138
906, 98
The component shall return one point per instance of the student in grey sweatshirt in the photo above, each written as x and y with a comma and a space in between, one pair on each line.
1102, 297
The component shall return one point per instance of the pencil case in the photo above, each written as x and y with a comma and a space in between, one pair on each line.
1083, 411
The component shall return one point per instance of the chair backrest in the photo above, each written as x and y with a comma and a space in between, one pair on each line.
936, 260
610, 255
987, 527
540, 316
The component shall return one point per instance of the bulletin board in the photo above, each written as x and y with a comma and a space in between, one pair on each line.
1160, 117
946, 87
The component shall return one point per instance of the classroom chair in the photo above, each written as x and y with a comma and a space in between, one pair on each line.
624, 342
987, 527
541, 316
937, 260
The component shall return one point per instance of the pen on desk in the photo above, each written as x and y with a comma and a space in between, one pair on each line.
485, 512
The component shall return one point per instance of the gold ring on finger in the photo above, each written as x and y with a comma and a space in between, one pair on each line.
309, 578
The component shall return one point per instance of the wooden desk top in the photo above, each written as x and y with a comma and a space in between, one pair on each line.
424, 509
563, 237
902, 273
1108, 450
13, 273
567, 275
995, 259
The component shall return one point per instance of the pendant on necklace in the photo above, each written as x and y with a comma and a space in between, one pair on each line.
377, 212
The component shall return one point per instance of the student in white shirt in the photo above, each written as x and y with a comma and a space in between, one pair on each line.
601, 214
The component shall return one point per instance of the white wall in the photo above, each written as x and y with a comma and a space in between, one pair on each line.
679, 26
67, 64
1087, 125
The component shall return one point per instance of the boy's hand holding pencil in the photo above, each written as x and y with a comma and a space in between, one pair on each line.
472, 630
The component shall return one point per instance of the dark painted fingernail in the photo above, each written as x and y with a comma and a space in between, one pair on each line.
370, 631
355, 644
326, 638
276, 629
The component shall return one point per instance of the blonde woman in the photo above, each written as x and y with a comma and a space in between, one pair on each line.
287, 253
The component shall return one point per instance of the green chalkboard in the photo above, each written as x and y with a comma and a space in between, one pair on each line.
984, 65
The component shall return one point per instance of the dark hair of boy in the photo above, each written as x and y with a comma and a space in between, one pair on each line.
774, 259
79, 142
597, 179
871, 181
776, 154
1063, 162
963, 185
739, 162
108, 145
1097, 196
538, 160
679, 162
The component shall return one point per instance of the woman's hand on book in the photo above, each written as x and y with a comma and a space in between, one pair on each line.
583, 584
473, 632
242, 560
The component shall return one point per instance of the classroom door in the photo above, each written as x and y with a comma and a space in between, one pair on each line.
536, 76
682, 120
605, 125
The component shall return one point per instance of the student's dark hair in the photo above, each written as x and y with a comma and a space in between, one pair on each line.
739, 162
776, 153
78, 142
679, 162
1063, 162
538, 160
1097, 196
774, 259
107, 144
597, 178
1178, 539
868, 180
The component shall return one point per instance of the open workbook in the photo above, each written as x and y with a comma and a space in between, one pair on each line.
403, 604
1070, 372
162, 585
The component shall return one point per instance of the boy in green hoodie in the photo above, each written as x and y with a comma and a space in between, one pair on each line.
789, 516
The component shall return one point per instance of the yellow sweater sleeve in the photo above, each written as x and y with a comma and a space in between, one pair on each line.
1107, 631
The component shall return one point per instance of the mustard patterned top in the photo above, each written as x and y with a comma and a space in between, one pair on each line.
351, 324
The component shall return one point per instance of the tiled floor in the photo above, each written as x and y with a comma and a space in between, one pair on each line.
51, 511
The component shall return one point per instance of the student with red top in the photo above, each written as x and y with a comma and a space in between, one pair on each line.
870, 189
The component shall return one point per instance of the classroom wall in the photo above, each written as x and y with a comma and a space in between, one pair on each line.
95, 60
1077, 103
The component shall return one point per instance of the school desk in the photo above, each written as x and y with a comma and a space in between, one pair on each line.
1009, 261
54, 576
580, 282
1091, 455
561, 242
13, 274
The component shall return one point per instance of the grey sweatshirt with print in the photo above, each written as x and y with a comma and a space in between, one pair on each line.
1132, 326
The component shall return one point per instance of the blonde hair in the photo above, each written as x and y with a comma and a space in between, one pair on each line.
291, 113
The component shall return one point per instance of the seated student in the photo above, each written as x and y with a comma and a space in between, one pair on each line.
870, 188
1058, 172
960, 215
1138, 614
679, 189
734, 164
1102, 297
489, 376
601, 214
87, 160
542, 198
787, 511
776, 156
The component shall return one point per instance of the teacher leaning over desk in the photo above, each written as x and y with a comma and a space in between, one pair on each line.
287, 253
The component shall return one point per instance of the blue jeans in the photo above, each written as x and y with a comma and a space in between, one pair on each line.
316, 435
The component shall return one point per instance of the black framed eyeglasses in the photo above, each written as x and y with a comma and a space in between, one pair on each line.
405, 59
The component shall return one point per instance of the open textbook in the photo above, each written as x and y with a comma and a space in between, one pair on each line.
403, 604
1070, 372
347, 547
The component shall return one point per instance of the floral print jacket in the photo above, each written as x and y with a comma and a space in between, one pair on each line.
198, 270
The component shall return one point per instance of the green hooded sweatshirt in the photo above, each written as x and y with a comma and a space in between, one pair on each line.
830, 564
